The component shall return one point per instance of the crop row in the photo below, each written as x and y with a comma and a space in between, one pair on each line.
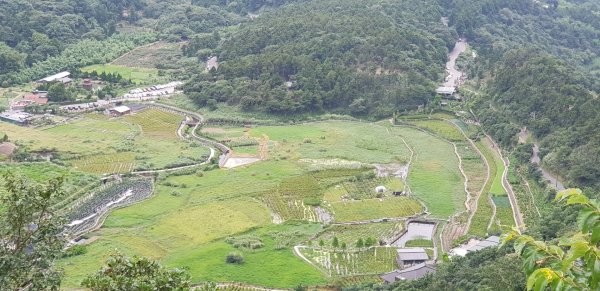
89, 210
346, 263
349, 234
157, 123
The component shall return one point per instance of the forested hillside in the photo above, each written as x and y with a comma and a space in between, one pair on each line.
538, 67
360, 57
32, 31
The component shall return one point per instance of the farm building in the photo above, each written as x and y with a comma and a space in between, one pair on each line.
446, 91
380, 189
16, 117
60, 77
7, 149
119, 111
411, 256
475, 245
411, 273
212, 62
87, 84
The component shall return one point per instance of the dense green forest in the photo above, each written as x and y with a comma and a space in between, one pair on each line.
538, 67
32, 31
356, 57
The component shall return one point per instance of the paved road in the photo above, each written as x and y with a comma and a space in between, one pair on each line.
454, 74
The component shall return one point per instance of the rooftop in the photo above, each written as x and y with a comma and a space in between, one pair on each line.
121, 109
445, 90
56, 77
411, 273
412, 254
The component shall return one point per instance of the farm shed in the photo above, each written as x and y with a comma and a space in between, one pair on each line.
16, 117
380, 189
213, 62
411, 256
447, 91
56, 77
411, 273
119, 111
475, 245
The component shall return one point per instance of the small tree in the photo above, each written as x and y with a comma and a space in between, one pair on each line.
573, 263
344, 246
360, 243
335, 243
123, 273
369, 242
30, 235
321, 243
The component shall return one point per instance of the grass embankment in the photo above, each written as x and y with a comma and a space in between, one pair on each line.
136, 75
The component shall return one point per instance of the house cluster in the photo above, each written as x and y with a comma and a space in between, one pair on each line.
84, 107
413, 264
35, 98
153, 92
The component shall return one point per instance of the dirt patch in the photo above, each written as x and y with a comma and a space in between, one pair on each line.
233, 162
7, 148
213, 130
392, 170
323, 215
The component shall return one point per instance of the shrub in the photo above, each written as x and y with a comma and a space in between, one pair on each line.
234, 258
75, 250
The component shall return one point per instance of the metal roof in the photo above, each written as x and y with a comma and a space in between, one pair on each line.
121, 109
445, 90
412, 254
411, 273
56, 77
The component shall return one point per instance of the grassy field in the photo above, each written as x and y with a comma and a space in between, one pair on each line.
150, 56
136, 75
434, 177
99, 145
361, 210
481, 219
191, 219
335, 140
496, 188
441, 128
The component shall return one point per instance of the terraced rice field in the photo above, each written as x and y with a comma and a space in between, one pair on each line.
483, 215
369, 209
349, 234
375, 260
441, 128
156, 123
106, 164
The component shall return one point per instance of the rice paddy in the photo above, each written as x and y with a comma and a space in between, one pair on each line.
313, 174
